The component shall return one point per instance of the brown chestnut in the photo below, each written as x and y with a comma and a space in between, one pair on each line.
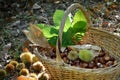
101, 60
96, 59
101, 54
65, 60
91, 65
107, 58
109, 63
85, 65
99, 65
63, 55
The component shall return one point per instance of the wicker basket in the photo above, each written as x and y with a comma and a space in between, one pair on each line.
111, 43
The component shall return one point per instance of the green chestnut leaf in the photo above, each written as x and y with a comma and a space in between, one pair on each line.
86, 55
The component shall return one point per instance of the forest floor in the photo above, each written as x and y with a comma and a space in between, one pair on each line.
16, 16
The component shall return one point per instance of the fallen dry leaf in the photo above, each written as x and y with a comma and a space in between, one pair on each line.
36, 36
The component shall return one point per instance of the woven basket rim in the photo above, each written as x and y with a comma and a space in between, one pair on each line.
104, 31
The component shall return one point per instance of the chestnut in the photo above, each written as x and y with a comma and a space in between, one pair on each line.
101, 60
65, 60
63, 55
99, 65
109, 63
91, 65
84, 65
101, 54
107, 58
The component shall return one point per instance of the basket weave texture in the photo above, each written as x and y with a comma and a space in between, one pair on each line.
111, 43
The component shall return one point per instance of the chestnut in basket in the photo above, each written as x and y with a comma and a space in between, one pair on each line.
85, 58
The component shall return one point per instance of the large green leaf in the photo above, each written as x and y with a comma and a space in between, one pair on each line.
48, 30
57, 17
79, 16
79, 26
67, 37
67, 24
76, 29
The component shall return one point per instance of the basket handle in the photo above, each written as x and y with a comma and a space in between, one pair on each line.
59, 40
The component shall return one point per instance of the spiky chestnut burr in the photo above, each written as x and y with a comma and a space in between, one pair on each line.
33, 75
14, 63
3, 74
72, 55
38, 67
26, 57
86, 55
24, 71
9, 68
21, 77
43, 76
20, 66
34, 58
